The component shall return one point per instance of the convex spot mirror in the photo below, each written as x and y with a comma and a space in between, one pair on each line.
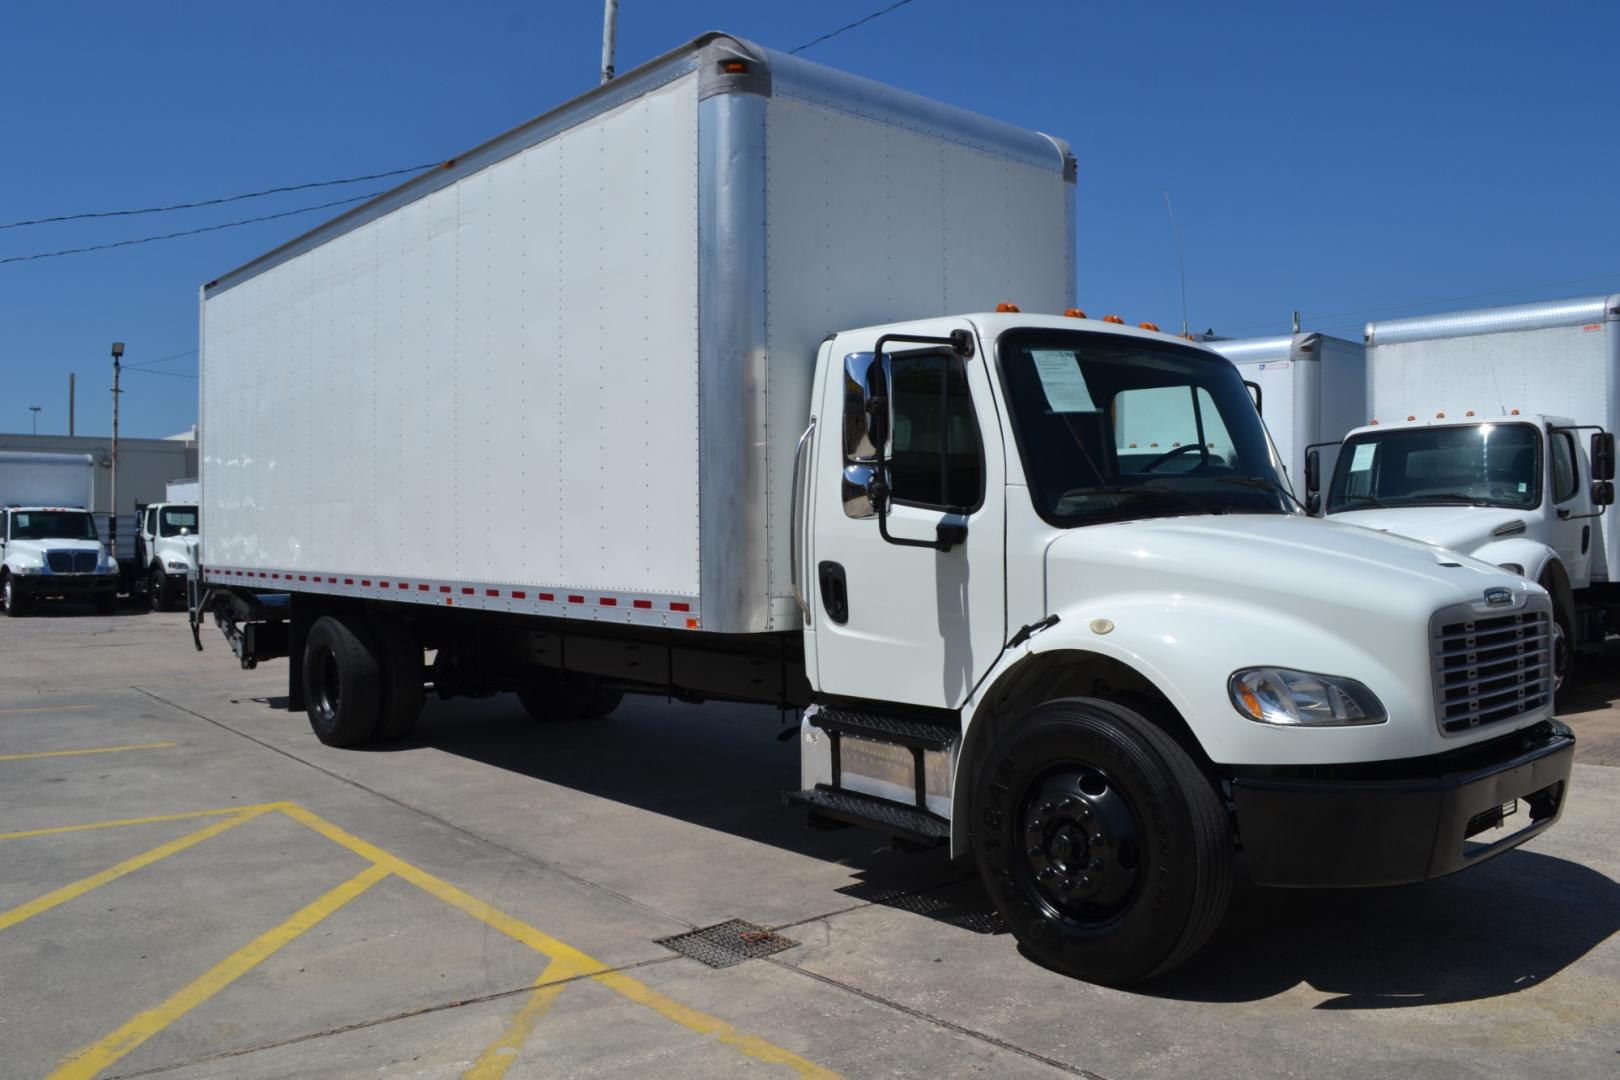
1602, 455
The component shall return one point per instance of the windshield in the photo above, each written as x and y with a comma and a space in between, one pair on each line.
1112, 428
177, 521
52, 525
1478, 465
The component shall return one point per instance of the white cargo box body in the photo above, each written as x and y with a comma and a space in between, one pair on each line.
1554, 358
1313, 389
565, 373
30, 478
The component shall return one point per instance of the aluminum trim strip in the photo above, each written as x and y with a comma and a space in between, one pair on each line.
1575, 311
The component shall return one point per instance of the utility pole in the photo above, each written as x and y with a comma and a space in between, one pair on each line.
610, 33
35, 410
112, 519
71, 377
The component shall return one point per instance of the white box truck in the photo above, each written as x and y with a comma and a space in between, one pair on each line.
669, 392
49, 547
1311, 389
1492, 435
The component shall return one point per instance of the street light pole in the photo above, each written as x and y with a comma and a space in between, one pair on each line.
35, 410
610, 34
112, 519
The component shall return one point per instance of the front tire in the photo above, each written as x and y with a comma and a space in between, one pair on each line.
11, 597
157, 590
1564, 655
342, 680
1103, 845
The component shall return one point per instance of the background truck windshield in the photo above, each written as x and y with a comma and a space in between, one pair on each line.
172, 519
52, 525
1113, 428
1473, 465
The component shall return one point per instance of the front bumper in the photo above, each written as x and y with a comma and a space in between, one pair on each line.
1367, 829
43, 585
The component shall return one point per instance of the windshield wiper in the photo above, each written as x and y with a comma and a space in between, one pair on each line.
1367, 499
1260, 483
1449, 498
1143, 489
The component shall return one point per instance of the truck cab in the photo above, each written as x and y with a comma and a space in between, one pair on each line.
1526, 492
53, 551
166, 541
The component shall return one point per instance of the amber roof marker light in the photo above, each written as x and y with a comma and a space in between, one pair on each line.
1007, 307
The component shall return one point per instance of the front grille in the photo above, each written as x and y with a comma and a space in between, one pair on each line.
71, 562
1491, 668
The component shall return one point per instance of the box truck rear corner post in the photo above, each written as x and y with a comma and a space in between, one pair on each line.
689, 387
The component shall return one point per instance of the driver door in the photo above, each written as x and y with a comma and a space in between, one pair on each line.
904, 623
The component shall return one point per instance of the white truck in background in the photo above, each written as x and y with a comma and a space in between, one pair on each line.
166, 538
1310, 388
49, 547
1492, 434
532, 411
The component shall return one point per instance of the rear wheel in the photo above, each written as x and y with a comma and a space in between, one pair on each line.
1103, 845
11, 597
342, 680
400, 652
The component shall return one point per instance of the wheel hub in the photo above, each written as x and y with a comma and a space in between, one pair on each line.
1081, 844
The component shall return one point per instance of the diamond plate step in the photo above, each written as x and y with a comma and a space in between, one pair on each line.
880, 727
906, 822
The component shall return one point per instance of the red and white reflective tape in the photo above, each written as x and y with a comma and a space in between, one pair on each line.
603, 606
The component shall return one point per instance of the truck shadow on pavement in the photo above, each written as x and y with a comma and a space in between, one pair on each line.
1505, 926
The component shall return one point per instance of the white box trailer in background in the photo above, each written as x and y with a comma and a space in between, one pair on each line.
49, 543
663, 393
1492, 434
36, 478
1312, 386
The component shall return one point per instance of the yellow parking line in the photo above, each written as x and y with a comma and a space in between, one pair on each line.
567, 961
99, 1055
91, 750
499, 1055
45, 708
60, 896
121, 822
704, 1024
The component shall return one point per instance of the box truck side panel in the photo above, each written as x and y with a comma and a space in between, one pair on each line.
37, 478
1560, 371
962, 225
505, 368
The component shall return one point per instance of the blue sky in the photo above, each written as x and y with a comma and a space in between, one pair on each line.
1349, 160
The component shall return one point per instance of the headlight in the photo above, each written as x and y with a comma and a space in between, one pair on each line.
1301, 699
1513, 568
22, 569
179, 566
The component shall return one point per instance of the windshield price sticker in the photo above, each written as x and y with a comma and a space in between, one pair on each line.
1059, 372
1363, 459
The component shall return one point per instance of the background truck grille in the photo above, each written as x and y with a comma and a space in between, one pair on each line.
71, 562
1491, 668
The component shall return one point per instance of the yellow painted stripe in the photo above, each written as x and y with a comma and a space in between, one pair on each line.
499, 1055
46, 708
91, 750
99, 1055
60, 896
567, 961
121, 822
704, 1024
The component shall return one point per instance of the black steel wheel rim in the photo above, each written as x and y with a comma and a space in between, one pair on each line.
155, 588
1081, 846
1561, 657
328, 686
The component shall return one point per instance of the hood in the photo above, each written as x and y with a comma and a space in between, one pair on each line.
1460, 528
1315, 569
54, 545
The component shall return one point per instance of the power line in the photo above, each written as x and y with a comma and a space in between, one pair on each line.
858, 22
215, 202
149, 371
161, 359
187, 232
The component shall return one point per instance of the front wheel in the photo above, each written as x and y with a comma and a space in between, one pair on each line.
1105, 848
157, 590
1563, 650
11, 597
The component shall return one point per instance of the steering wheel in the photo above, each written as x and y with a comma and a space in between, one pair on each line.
1177, 452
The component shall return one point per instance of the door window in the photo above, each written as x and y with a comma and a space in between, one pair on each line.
1565, 481
935, 458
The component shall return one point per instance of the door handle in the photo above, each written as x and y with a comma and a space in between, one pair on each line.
834, 591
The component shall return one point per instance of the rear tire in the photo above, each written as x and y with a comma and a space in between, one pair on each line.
1103, 845
400, 652
342, 680
12, 598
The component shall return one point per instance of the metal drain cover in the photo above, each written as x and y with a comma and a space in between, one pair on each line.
727, 943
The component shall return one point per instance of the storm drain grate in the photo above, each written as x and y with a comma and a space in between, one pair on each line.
727, 943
